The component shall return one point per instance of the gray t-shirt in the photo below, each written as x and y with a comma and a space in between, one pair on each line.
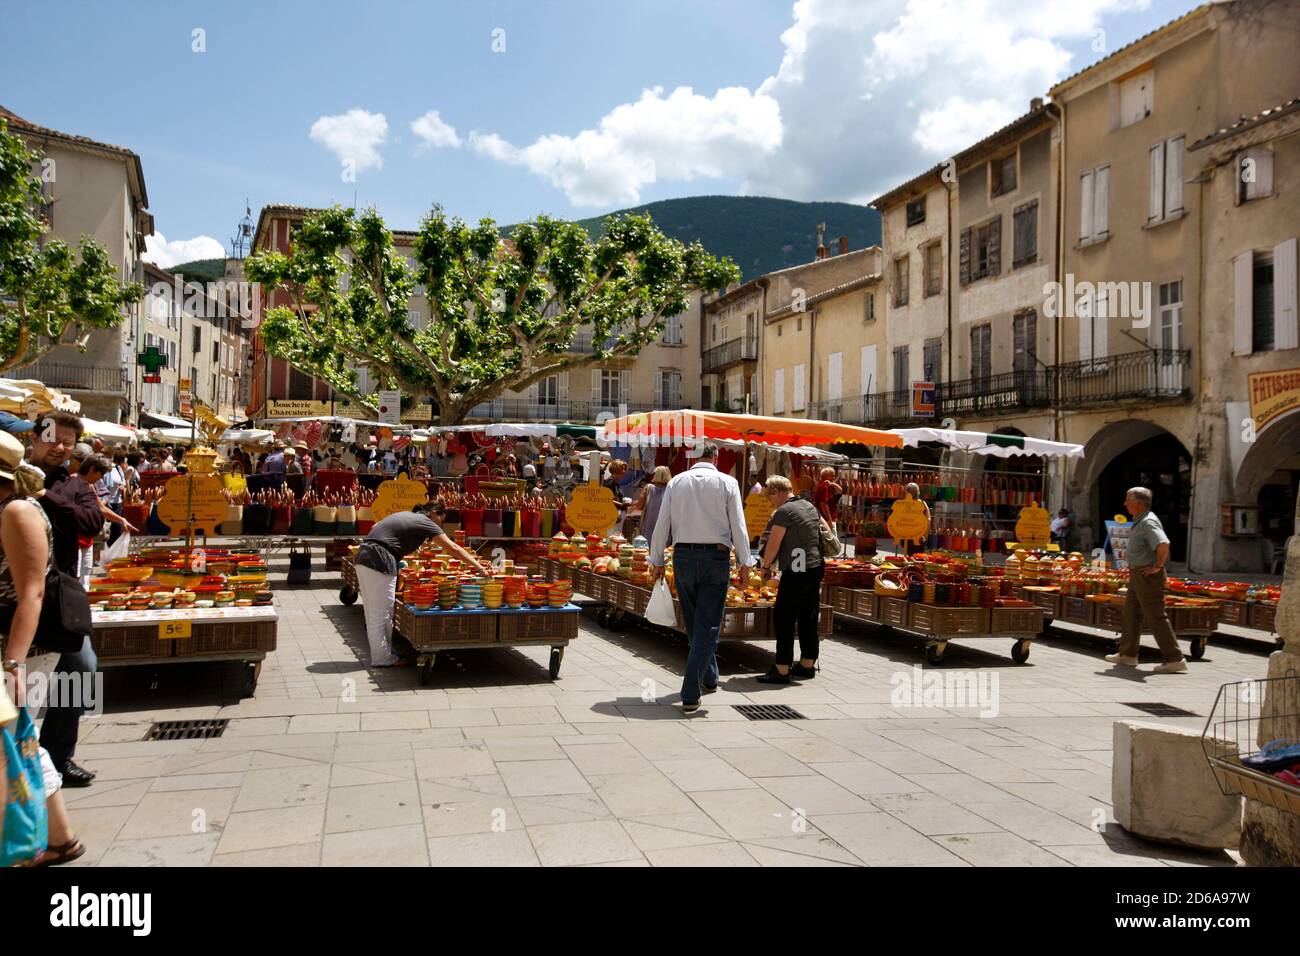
394, 538
802, 523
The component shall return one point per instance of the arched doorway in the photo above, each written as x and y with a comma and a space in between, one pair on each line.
1270, 477
1129, 454
1162, 464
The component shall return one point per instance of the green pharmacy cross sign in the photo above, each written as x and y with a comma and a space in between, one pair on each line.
152, 359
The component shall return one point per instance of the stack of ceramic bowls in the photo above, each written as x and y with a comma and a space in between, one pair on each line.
448, 593
559, 594
471, 594
515, 590
626, 554
493, 591
538, 593
422, 596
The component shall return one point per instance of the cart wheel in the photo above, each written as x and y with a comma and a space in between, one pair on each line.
616, 619
934, 653
348, 596
1020, 651
251, 674
1198, 647
426, 669
557, 657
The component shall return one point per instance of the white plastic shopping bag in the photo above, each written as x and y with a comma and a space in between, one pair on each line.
121, 548
660, 609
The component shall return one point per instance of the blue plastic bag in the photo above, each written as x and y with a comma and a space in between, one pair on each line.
25, 823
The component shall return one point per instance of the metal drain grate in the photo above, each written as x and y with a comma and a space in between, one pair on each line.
769, 712
1160, 710
187, 729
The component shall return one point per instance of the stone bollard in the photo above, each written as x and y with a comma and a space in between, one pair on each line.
1163, 789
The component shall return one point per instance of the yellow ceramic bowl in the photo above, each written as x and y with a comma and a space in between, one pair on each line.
130, 573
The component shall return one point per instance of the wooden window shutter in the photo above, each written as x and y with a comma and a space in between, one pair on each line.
1156, 204
995, 245
1086, 183
1285, 331
1242, 289
1101, 209
963, 258
625, 386
595, 385
1174, 176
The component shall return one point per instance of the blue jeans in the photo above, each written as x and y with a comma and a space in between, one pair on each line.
701, 575
59, 728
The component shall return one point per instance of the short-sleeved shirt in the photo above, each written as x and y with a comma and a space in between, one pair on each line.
802, 525
394, 538
1147, 535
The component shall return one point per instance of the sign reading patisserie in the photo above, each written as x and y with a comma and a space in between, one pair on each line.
1273, 394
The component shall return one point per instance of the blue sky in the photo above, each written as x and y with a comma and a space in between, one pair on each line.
823, 99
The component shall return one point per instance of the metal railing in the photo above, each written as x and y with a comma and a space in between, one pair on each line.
995, 394
522, 410
728, 353
91, 378
1149, 374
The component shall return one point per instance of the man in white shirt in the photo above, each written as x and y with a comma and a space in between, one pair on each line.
702, 515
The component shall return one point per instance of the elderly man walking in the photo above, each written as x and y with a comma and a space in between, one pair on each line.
1148, 552
701, 513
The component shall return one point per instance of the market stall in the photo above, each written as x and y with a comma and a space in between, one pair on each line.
440, 608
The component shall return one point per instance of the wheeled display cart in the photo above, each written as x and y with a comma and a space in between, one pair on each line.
1196, 625
464, 629
938, 625
241, 634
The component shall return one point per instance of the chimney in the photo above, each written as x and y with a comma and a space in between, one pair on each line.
844, 245
821, 240
1036, 104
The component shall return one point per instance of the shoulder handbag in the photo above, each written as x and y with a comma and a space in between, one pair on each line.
26, 825
830, 543
65, 613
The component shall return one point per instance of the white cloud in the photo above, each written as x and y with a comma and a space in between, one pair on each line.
875, 91
682, 136
166, 254
434, 132
354, 136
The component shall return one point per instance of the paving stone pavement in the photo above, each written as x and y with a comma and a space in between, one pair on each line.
334, 763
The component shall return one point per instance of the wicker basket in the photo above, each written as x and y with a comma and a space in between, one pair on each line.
124, 643
1234, 612
1204, 618
826, 621
1108, 615
747, 622
932, 619
1016, 620
221, 637
445, 627
1048, 601
841, 599
537, 626
1078, 610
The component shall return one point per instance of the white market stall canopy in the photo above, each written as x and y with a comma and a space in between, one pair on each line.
989, 443
109, 432
26, 396
337, 420
247, 436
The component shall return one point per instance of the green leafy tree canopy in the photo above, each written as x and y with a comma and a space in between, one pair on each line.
49, 295
503, 313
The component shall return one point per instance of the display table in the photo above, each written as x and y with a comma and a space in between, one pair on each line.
939, 624
1196, 625
436, 630
245, 634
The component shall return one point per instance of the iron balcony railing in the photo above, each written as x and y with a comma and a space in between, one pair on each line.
1149, 374
61, 375
995, 394
728, 353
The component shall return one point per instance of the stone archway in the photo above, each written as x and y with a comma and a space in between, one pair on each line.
1274, 450
1127, 453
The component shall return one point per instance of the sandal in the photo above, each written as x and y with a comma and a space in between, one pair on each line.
58, 855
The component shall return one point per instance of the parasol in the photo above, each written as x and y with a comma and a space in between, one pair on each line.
686, 427
988, 443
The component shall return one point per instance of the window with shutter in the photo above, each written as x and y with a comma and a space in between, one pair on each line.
1136, 98
995, 246
1025, 346
1025, 235
902, 376
963, 258
1169, 327
931, 357
981, 353
1242, 308
1101, 207
1156, 209
900, 280
1174, 176
867, 370
1084, 317
778, 393
835, 376
799, 397
1263, 335
1284, 295
916, 212
933, 269
1100, 333
1003, 175
1254, 174
1087, 183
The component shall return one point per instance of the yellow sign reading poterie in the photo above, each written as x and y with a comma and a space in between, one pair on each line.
1272, 394
398, 494
908, 521
200, 499
1034, 526
758, 512
591, 509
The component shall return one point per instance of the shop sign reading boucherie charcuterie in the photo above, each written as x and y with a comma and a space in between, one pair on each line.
1273, 394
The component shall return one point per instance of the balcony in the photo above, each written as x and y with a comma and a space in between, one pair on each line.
88, 378
995, 394
1151, 375
729, 353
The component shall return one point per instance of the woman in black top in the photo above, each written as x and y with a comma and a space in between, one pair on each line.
794, 545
